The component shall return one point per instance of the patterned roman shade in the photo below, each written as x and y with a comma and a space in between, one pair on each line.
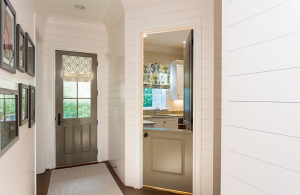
77, 69
156, 75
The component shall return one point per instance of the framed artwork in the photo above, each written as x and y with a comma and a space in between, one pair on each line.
31, 105
20, 54
8, 37
29, 56
9, 126
23, 103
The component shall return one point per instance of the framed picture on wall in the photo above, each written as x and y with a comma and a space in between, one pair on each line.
9, 113
8, 37
20, 51
31, 106
29, 55
23, 103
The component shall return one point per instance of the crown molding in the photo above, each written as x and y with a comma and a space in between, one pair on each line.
161, 49
63, 22
113, 15
147, 3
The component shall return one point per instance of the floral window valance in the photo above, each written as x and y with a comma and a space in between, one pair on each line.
76, 69
156, 75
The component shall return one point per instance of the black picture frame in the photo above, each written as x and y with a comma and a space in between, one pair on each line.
31, 106
24, 113
29, 56
10, 49
20, 49
9, 122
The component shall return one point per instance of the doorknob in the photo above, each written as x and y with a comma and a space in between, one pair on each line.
59, 120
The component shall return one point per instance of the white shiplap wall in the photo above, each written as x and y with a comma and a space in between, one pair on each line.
63, 32
115, 24
142, 13
260, 124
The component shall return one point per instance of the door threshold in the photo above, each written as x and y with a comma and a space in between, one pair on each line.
77, 165
167, 190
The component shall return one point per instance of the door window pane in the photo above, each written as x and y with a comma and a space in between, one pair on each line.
84, 89
70, 108
84, 108
70, 89
1, 107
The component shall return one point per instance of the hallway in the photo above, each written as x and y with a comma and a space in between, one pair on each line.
43, 181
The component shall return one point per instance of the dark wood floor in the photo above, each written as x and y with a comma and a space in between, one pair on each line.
44, 179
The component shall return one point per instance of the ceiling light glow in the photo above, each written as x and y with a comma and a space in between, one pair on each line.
184, 41
145, 35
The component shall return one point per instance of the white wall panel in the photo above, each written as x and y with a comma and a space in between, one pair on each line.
260, 61
270, 25
277, 118
274, 86
115, 24
253, 143
249, 9
264, 176
260, 105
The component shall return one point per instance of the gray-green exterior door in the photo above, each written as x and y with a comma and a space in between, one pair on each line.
76, 108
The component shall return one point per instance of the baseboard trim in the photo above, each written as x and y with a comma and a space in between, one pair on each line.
167, 190
117, 175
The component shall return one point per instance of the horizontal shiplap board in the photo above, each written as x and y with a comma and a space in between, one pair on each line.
277, 118
254, 59
167, 17
268, 26
76, 41
161, 9
75, 34
275, 149
238, 187
264, 176
249, 9
276, 86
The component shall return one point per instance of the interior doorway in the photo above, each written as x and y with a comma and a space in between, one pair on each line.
76, 108
168, 110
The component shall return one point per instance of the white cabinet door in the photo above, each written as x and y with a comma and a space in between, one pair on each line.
179, 82
160, 122
176, 76
171, 123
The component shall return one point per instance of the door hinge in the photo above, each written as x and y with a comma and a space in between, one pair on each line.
97, 92
97, 121
97, 63
97, 150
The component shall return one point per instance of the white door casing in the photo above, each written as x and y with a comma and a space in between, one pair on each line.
156, 28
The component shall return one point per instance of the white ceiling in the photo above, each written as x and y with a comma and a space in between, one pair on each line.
170, 39
96, 10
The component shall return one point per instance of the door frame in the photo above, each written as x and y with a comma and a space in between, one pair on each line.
186, 24
52, 123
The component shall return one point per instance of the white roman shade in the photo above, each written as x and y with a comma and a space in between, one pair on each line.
76, 69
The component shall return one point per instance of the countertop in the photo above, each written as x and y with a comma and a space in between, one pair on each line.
167, 130
149, 123
163, 116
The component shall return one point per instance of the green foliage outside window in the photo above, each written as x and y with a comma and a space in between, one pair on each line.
147, 94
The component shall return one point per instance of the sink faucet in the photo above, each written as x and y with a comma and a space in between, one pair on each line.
156, 110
